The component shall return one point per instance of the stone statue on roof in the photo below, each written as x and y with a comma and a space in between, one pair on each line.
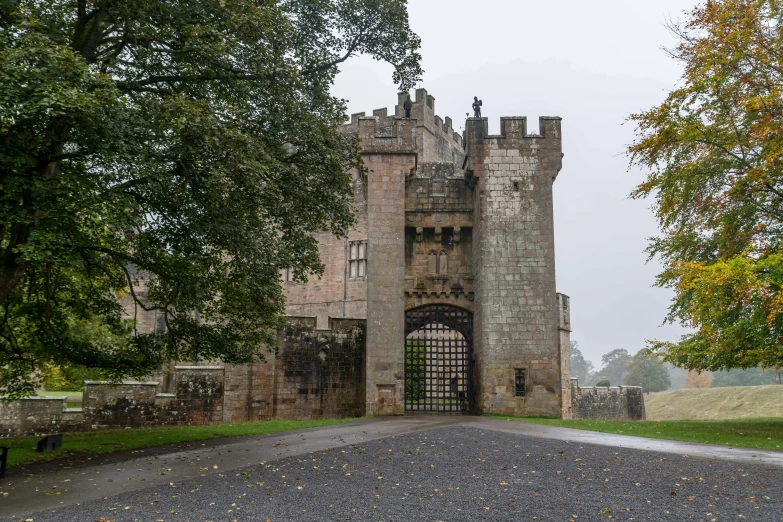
477, 107
407, 106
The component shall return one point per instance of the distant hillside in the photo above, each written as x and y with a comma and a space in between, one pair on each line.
716, 403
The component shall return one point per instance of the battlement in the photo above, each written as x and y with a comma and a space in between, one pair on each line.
423, 110
513, 128
514, 145
384, 127
381, 125
381, 133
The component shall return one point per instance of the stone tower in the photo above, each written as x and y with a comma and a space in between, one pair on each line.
516, 310
451, 263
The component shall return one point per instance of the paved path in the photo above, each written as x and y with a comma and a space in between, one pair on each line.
420, 467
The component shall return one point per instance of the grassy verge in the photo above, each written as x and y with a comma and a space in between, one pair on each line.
23, 448
735, 402
73, 398
764, 433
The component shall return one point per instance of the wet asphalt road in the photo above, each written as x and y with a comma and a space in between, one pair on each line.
456, 473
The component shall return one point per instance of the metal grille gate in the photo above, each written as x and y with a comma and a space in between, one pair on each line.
438, 359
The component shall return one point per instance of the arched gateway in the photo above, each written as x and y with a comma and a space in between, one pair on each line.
438, 359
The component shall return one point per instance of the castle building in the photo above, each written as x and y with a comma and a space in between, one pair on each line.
452, 265
441, 299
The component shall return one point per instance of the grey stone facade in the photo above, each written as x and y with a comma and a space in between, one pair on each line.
460, 221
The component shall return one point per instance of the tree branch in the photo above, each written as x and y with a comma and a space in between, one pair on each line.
125, 185
336, 61
66, 156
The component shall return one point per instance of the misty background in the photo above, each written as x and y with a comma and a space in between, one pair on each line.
593, 64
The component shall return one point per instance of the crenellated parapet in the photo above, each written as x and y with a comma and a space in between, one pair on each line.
544, 150
381, 134
433, 137
423, 111
514, 129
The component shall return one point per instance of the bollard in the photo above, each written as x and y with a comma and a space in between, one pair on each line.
3, 460
50, 442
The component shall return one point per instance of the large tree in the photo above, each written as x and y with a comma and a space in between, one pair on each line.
647, 371
714, 153
192, 140
580, 367
615, 366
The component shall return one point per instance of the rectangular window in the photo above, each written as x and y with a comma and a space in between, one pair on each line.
357, 265
288, 275
519, 381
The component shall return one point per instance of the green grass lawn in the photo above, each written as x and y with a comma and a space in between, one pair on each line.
765, 433
23, 448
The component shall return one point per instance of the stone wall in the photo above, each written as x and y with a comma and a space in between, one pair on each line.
198, 400
594, 403
564, 344
436, 140
334, 293
313, 374
249, 389
320, 373
38, 415
438, 266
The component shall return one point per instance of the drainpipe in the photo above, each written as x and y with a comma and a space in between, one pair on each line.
345, 274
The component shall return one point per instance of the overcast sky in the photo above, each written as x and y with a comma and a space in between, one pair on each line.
593, 64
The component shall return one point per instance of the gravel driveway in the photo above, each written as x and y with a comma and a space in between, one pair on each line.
457, 473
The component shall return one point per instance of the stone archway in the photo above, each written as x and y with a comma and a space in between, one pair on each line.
438, 359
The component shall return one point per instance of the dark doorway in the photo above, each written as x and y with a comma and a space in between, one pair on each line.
438, 359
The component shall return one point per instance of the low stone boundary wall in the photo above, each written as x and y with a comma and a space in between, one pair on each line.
313, 374
599, 403
198, 399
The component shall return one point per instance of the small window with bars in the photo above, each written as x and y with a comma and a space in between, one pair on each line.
357, 259
520, 375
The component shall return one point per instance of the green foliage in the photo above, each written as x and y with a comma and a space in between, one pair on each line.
604, 383
191, 142
52, 378
580, 368
714, 153
69, 378
747, 377
647, 371
615, 366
